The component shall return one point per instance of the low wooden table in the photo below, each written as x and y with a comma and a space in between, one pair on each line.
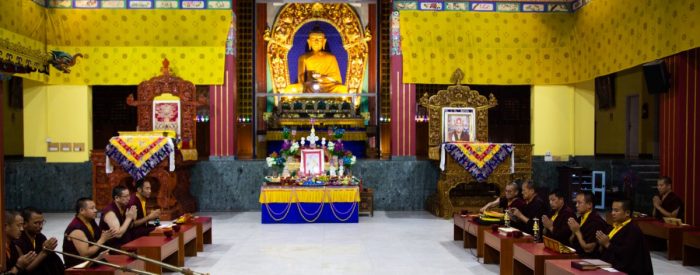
528, 258
563, 267
691, 248
157, 248
203, 231
499, 249
459, 229
186, 241
673, 234
121, 260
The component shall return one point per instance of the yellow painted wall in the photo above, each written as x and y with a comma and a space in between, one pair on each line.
584, 118
12, 124
34, 118
62, 113
611, 124
562, 119
552, 116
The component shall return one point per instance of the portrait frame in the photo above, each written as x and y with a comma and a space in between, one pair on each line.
312, 162
452, 118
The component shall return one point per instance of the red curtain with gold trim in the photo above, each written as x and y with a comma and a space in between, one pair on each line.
679, 130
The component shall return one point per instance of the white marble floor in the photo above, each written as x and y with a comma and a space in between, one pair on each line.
388, 243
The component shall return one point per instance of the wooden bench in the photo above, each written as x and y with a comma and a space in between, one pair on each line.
691, 248
121, 260
158, 248
672, 235
186, 241
563, 267
528, 258
499, 249
203, 231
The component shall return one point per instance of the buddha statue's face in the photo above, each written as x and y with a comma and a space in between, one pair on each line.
316, 41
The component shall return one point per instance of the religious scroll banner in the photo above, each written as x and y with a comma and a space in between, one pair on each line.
480, 159
139, 154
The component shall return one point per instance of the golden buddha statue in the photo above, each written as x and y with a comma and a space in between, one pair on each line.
318, 70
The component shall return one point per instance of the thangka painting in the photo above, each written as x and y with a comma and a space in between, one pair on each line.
458, 124
166, 115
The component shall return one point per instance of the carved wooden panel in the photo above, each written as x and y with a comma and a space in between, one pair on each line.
167, 83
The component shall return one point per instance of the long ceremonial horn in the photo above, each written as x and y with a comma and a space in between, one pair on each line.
118, 267
178, 269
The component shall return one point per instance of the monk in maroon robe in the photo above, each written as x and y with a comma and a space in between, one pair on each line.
83, 227
510, 200
118, 216
585, 227
533, 209
15, 262
556, 223
624, 247
32, 240
667, 204
139, 199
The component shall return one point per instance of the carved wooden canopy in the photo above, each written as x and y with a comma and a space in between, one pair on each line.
167, 83
456, 96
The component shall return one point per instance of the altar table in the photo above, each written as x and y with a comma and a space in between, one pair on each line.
185, 241
691, 248
671, 234
472, 233
313, 204
158, 248
499, 249
528, 258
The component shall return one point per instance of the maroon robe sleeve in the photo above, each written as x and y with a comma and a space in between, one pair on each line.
593, 224
628, 251
561, 231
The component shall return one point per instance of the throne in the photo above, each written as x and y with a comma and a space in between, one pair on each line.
285, 44
457, 189
165, 103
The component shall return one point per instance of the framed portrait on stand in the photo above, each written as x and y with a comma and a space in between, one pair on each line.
166, 113
458, 124
312, 161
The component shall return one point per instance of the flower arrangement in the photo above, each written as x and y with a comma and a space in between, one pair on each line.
337, 149
348, 159
275, 160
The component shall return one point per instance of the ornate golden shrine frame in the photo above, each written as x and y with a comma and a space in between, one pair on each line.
292, 16
456, 96
454, 174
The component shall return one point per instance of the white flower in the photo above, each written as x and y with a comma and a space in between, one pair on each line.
353, 160
270, 161
294, 148
331, 145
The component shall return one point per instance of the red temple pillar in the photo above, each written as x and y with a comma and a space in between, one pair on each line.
223, 102
403, 100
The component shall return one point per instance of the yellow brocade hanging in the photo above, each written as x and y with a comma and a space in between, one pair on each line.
501, 48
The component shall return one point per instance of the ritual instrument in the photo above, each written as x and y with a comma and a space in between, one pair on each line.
181, 270
118, 267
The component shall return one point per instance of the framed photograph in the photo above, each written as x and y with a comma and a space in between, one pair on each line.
458, 124
312, 161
